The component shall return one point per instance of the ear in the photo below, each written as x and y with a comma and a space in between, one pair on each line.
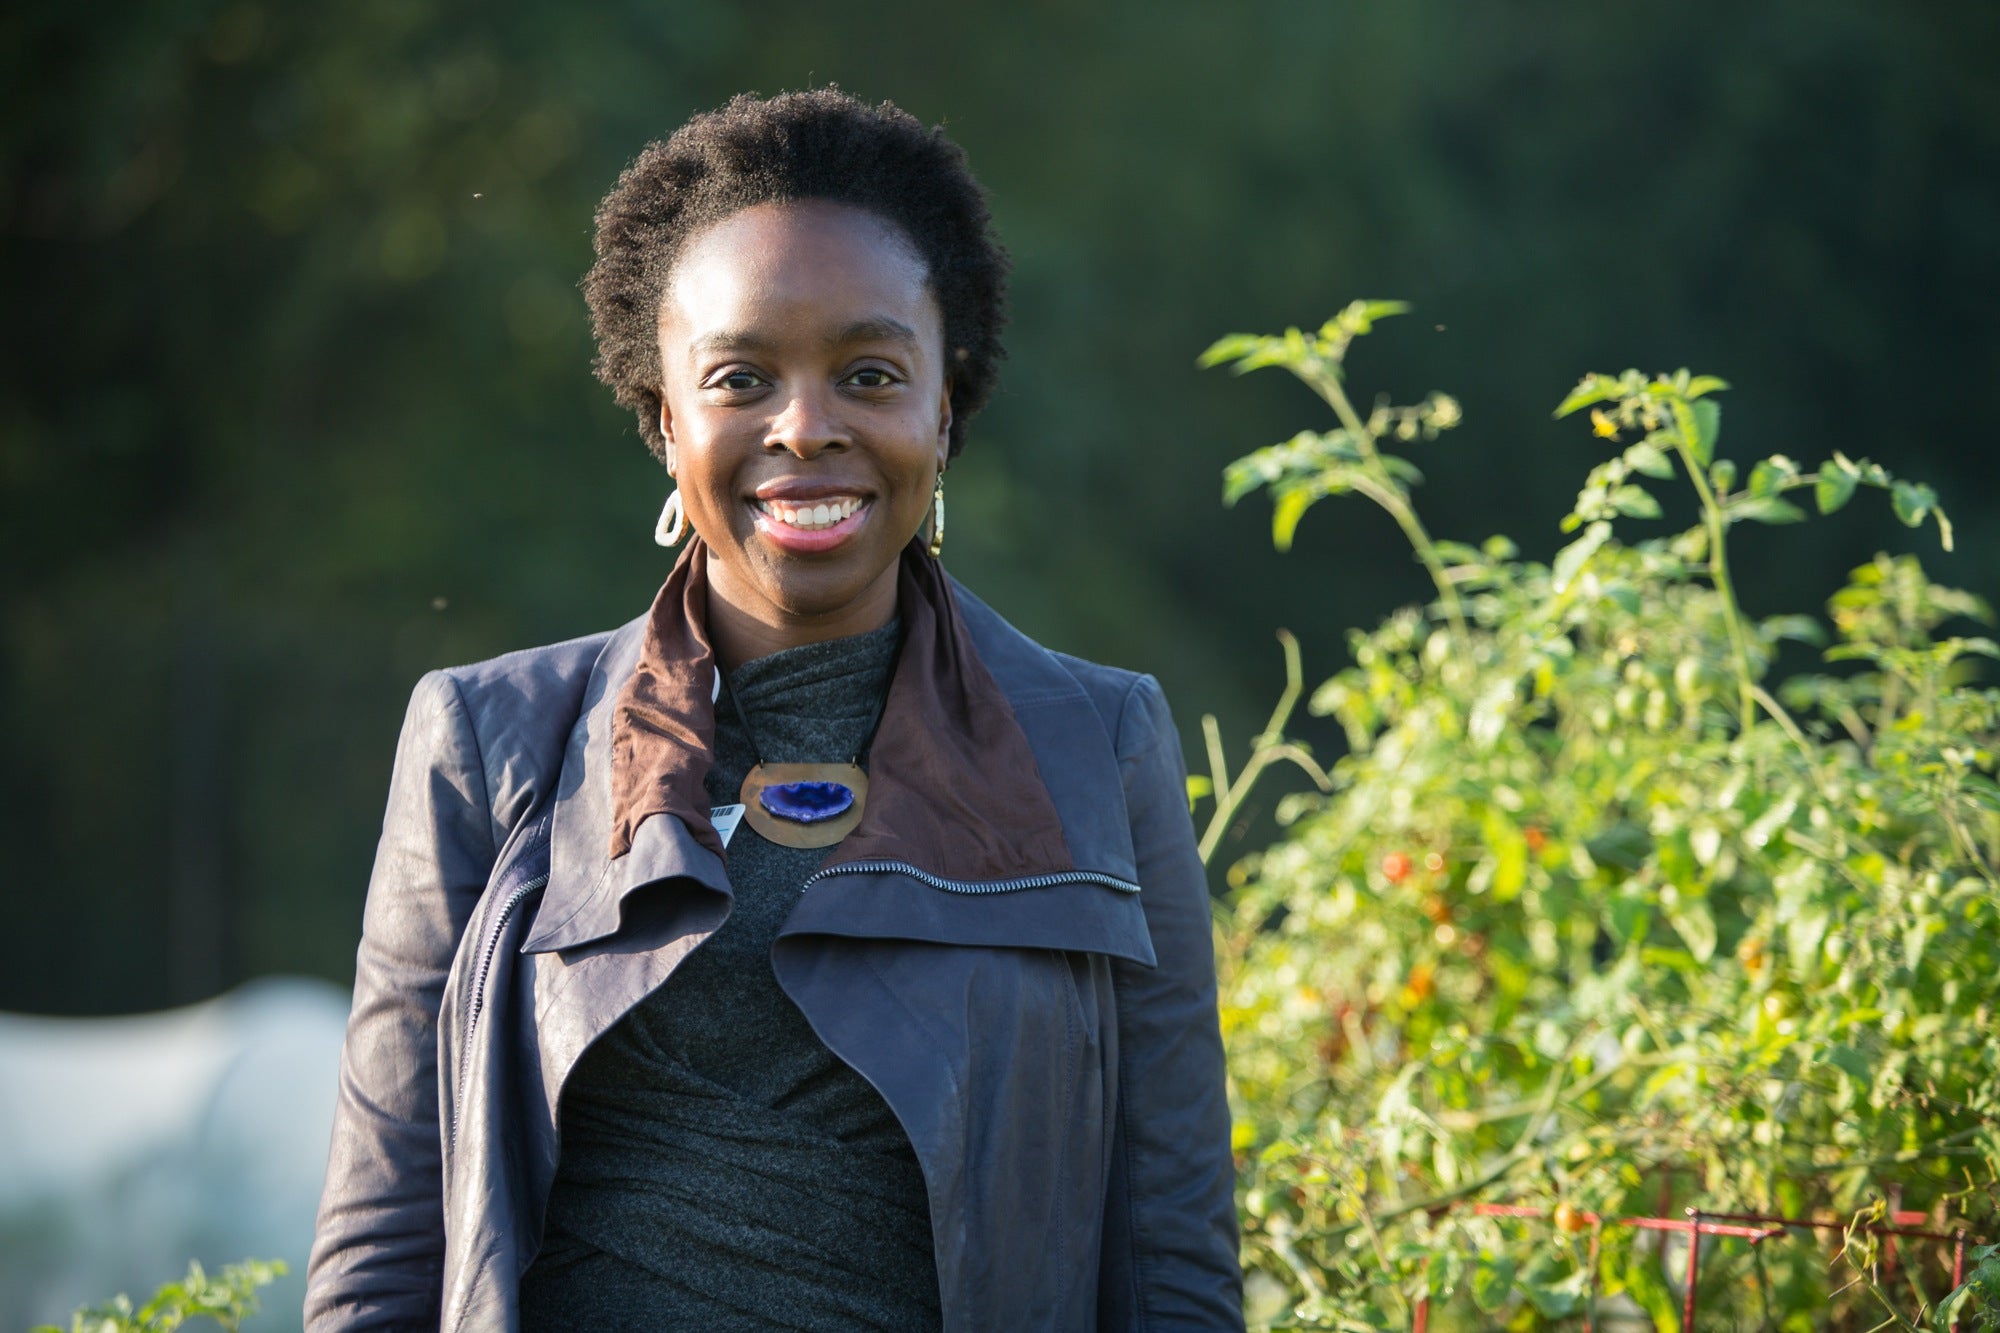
944, 425
667, 433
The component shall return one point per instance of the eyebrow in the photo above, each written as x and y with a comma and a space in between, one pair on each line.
879, 328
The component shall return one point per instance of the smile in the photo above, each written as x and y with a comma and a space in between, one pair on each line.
817, 516
811, 527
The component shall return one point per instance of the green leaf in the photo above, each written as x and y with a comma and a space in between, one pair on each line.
1625, 845
1771, 476
1981, 791
1569, 561
1374, 310
1590, 390
1723, 475
1702, 385
1911, 501
1492, 1281
1689, 429
1851, 1063
1555, 1300
1291, 506
1650, 459
1231, 347
1696, 926
1708, 414
1800, 629
1402, 469
1835, 486
1761, 509
1649, 1290
1803, 935
1635, 502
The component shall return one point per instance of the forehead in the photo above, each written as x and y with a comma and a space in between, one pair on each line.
804, 260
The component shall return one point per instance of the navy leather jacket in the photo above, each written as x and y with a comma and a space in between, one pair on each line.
1050, 1048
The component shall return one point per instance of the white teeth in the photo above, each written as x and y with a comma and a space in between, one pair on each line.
810, 518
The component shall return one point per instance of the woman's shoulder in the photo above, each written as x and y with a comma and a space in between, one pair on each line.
530, 690
533, 677
1130, 704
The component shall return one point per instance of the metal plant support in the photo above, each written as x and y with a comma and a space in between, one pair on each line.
1756, 1228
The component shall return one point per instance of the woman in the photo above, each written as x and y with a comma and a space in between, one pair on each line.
815, 951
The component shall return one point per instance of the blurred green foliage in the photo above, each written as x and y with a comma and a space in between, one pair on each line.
225, 1300
295, 400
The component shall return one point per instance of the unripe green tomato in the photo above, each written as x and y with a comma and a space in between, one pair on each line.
1687, 675
1656, 709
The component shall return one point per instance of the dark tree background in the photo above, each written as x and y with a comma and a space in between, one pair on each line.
295, 400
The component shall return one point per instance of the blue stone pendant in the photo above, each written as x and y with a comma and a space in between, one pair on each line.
804, 805
807, 802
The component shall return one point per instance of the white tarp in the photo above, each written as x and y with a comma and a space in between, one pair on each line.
130, 1145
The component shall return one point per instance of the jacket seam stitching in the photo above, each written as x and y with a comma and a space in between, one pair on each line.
1072, 1025
1141, 1261
1125, 718
478, 763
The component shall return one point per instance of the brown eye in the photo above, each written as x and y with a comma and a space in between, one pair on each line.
739, 380
871, 377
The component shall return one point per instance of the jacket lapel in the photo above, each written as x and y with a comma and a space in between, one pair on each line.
602, 945
1077, 759
587, 885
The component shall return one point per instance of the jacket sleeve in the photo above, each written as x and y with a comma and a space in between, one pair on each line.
1170, 1258
378, 1249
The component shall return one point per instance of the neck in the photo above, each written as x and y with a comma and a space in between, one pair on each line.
741, 630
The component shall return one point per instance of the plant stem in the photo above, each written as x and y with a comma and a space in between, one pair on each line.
1718, 573
1325, 382
1271, 746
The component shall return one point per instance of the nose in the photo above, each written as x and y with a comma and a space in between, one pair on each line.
808, 424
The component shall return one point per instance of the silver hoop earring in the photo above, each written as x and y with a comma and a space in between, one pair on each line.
937, 517
673, 521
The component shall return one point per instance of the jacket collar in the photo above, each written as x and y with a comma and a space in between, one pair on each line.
991, 762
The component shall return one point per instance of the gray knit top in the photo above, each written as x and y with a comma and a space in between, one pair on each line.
720, 1168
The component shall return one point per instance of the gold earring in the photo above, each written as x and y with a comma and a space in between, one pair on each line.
937, 517
673, 521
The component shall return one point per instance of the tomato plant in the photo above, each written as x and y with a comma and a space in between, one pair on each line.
226, 1299
1685, 933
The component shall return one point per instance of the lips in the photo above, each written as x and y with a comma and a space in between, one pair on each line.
807, 524
811, 515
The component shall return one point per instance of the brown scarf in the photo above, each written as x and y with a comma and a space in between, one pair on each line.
952, 785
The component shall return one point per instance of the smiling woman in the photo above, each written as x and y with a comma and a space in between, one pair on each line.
814, 951
805, 414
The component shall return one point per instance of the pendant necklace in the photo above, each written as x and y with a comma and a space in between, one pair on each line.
804, 805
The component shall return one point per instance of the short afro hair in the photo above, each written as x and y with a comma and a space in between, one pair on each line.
819, 144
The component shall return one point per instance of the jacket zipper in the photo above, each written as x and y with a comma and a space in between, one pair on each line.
964, 886
475, 999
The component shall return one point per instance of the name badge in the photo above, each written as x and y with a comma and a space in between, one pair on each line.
725, 818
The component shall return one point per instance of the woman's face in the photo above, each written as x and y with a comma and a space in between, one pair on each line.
806, 413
